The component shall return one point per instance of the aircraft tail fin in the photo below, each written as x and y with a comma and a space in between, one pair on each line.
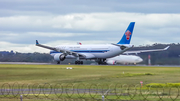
126, 39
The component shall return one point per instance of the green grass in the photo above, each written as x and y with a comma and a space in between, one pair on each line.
87, 74
104, 76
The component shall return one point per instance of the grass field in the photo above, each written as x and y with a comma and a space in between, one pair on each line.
105, 77
10, 73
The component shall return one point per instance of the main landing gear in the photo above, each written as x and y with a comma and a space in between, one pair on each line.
101, 62
79, 62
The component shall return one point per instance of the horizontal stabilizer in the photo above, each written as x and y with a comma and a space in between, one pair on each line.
124, 47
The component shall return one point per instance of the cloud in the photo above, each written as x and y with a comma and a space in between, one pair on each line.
45, 34
61, 7
92, 21
87, 28
24, 48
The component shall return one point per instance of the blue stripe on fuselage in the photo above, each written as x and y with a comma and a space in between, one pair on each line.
83, 51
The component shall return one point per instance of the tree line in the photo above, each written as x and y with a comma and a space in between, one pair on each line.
167, 57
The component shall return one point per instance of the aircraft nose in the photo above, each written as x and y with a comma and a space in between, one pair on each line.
140, 59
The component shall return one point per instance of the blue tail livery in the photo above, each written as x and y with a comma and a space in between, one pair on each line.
127, 35
37, 42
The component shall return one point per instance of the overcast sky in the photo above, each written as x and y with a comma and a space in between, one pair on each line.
57, 22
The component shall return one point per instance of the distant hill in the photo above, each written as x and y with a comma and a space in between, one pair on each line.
168, 57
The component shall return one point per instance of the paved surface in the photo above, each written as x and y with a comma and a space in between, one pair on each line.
24, 63
34, 63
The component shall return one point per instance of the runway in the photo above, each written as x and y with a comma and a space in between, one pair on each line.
28, 63
35, 63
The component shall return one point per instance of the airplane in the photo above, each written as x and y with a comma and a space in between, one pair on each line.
130, 59
99, 53
124, 59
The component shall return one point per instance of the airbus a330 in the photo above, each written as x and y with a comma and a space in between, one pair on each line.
95, 52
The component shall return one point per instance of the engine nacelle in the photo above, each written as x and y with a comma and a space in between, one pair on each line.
111, 62
59, 57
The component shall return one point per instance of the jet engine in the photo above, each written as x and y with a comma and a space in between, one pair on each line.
111, 62
59, 57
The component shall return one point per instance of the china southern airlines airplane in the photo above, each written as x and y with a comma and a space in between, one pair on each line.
97, 52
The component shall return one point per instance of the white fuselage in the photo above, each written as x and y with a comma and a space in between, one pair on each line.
126, 59
91, 51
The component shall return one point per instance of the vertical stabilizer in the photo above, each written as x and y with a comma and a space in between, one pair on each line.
126, 39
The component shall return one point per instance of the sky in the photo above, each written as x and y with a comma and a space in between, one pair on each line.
58, 22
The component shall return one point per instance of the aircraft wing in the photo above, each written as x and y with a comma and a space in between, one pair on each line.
151, 50
66, 52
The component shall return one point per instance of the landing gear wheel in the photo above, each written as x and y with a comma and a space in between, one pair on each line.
58, 62
101, 62
75, 62
78, 62
81, 62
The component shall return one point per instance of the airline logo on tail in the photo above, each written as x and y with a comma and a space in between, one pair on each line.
128, 33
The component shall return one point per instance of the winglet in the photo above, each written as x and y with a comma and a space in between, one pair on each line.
37, 42
166, 48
